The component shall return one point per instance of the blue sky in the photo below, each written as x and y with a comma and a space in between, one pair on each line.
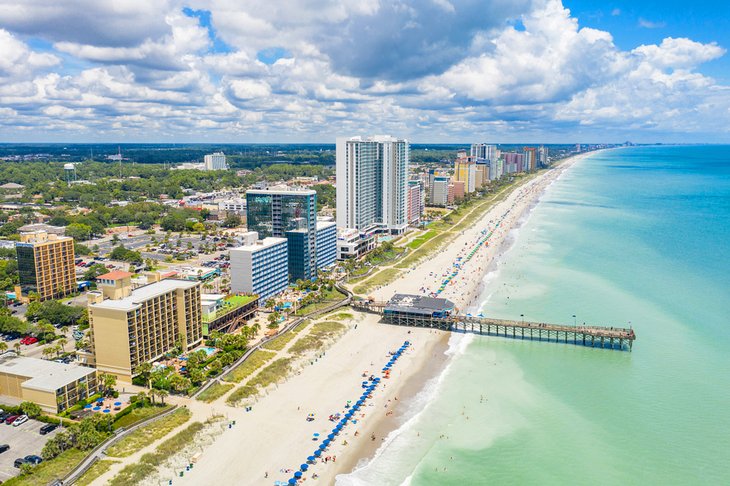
311, 70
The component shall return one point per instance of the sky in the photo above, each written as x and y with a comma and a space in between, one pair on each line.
432, 71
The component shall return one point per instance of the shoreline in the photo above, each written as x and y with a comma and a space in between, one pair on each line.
272, 439
382, 427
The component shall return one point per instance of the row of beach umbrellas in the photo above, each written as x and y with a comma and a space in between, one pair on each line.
369, 387
469, 256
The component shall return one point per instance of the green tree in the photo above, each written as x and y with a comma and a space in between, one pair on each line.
94, 271
78, 231
144, 371
108, 381
232, 221
3, 347
31, 409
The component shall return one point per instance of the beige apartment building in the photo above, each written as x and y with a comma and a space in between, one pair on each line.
52, 386
46, 264
130, 327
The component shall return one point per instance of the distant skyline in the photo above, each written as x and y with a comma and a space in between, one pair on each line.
432, 71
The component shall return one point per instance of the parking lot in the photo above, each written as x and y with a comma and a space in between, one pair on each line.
23, 440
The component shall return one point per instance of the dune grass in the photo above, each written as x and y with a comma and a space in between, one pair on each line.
257, 359
215, 391
94, 472
148, 434
316, 338
148, 463
383, 277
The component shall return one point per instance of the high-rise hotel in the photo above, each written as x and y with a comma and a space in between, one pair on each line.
131, 327
287, 213
46, 264
372, 183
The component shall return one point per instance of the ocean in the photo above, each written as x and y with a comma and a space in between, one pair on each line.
634, 237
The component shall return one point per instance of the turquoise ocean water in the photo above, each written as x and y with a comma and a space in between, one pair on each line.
636, 236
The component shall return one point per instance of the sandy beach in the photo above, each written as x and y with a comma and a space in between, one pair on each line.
270, 442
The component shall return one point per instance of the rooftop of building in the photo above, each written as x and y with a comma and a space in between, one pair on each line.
325, 224
418, 304
44, 375
12, 185
50, 229
115, 275
145, 293
261, 244
283, 190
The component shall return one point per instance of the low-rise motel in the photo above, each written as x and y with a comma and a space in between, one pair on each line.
53, 386
131, 327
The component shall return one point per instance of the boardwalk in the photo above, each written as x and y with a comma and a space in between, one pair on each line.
594, 336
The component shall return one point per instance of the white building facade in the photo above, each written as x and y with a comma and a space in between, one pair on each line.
260, 267
372, 183
215, 161
326, 243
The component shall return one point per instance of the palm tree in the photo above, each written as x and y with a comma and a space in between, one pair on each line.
64, 330
152, 394
3, 346
161, 394
57, 349
17, 348
62, 343
47, 352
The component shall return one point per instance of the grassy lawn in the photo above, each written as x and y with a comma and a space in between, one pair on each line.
148, 434
99, 468
418, 241
47, 471
139, 414
317, 336
147, 464
383, 277
215, 391
257, 359
339, 316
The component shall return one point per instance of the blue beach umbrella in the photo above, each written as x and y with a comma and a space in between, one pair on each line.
298, 474
322, 446
317, 453
310, 458
304, 467
326, 442
292, 481
331, 436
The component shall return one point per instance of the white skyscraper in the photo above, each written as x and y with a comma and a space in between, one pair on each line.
215, 161
372, 183
484, 151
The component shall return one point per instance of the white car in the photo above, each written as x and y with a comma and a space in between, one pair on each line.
20, 420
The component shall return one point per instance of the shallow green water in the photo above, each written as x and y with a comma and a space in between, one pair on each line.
634, 237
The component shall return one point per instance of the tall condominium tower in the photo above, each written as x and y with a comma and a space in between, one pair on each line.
372, 183
46, 264
215, 161
484, 151
287, 213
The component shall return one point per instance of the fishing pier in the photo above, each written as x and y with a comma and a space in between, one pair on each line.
437, 313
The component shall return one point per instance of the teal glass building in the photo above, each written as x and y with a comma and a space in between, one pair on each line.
290, 214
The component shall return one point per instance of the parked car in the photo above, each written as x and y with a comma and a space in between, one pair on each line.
48, 428
33, 459
10, 419
4, 447
28, 340
20, 461
20, 420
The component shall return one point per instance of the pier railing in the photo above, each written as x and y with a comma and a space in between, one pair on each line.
594, 336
